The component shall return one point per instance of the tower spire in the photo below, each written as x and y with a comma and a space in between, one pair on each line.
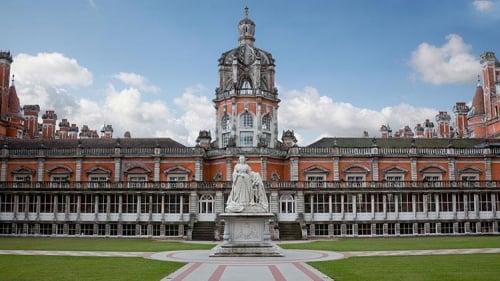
246, 11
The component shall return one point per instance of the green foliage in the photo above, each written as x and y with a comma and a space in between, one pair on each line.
62, 268
393, 243
480, 267
97, 244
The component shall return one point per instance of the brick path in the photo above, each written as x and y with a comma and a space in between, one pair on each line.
291, 267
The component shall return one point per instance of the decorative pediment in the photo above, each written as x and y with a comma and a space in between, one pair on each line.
316, 170
470, 170
394, 170
356, 169
60, 169
177, 170
137, 168
23, 170
98, 171
434, 169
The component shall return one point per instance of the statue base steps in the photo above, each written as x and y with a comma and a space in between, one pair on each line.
246, 235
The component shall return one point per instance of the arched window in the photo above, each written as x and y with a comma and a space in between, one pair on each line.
287, 204
266, 122
226, 122
206, 204
246, 120
246, 88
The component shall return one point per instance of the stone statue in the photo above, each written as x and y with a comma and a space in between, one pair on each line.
247, 192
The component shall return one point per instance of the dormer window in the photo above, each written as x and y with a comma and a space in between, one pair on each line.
246, 88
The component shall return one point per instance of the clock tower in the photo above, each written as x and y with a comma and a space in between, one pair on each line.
246, 100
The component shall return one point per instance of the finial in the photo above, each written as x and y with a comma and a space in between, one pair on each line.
246, 11
13, 76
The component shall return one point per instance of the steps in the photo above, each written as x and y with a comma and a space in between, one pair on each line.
290, 231
203, 231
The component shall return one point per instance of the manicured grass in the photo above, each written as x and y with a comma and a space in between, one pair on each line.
471, 267
96, 244
403, 243
45, 268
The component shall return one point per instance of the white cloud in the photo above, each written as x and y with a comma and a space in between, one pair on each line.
136, 80
484, 5
312, 116
447, 64
52, 69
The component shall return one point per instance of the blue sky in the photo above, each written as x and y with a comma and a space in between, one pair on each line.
342, 67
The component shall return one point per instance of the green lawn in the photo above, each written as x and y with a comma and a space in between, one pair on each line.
481, 267
399, 243
96, 244
48, 268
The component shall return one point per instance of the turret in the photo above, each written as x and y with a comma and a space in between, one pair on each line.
443, 121
31, 120
5, 62
49, 124
460, 110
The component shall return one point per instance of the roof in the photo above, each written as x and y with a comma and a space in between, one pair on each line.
400, 142
96, 143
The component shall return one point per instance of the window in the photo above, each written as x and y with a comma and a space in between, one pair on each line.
102, 203
45, 228
86, 229
336, 203
171, 230
128, 230
87, 203
246, 120
406, 228
394, 180
391, 202
405, 202
316, 203
98, 180
137, 180
32, 203
246, 138
265, 138
174, 203
348, 203
485, 202
287, 204
144, 204
379, 203
6, 203
114, 203
445, 202
447, 227
156, 206
471, 207
321, 229
246, 88
129, 203
419, 202
22, 180
355, 180
363, 203
177, 181
61, 203
364, 229
379, 229
469, 180
226, 123
266, 122
225, 139
431, 203
46, 205
59, 181
206, 202
432, 180
315, 181
21, 204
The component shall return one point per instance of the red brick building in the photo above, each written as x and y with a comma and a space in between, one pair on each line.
55, 183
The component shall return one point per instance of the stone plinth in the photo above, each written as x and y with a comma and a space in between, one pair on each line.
246, 235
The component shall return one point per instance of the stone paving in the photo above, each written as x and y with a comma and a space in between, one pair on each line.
200, 266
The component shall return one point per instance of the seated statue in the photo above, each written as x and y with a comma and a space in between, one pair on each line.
247, 192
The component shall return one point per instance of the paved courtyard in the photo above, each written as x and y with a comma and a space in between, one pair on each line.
200, 266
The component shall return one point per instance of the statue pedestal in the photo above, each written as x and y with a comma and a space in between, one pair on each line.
246, 235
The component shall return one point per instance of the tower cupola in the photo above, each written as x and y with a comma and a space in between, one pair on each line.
246, 28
